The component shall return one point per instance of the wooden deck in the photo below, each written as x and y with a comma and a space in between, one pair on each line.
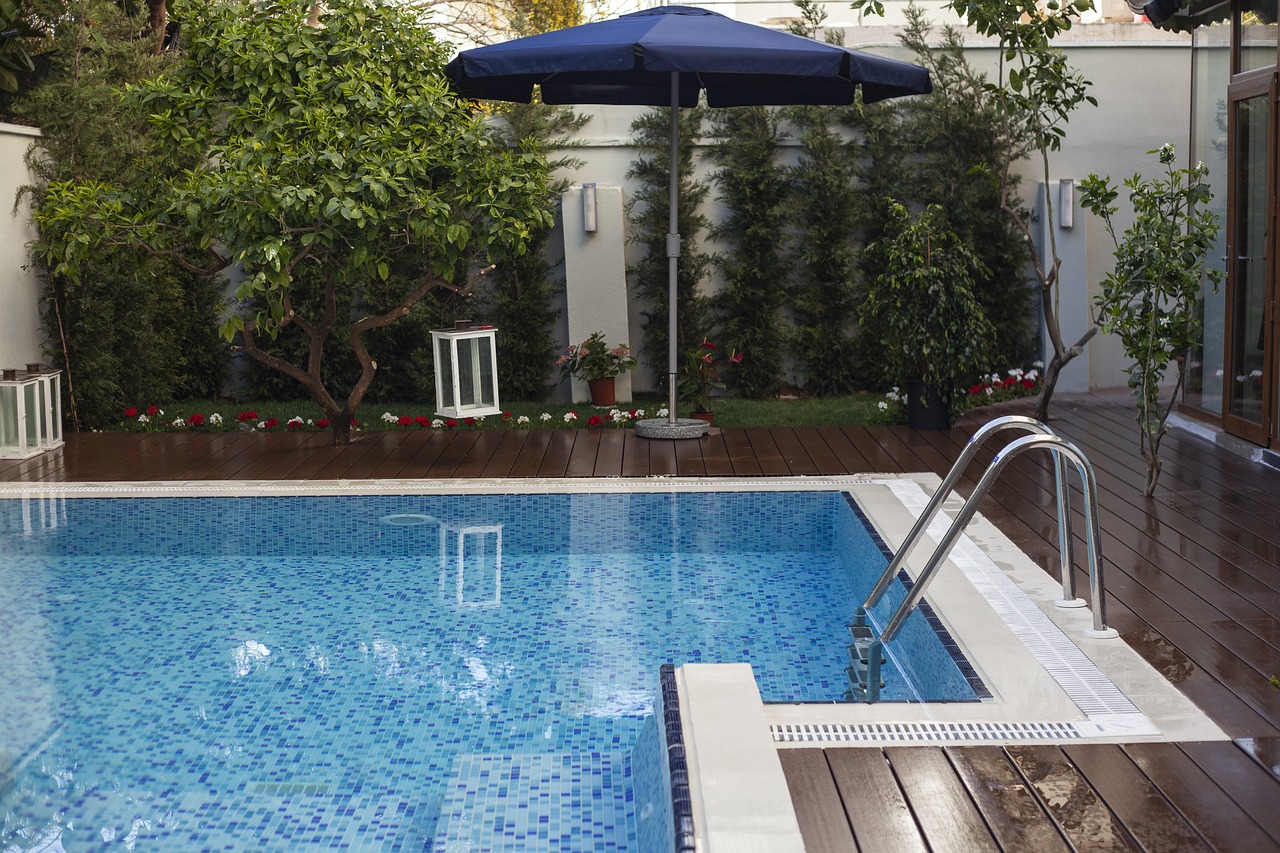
1193, 583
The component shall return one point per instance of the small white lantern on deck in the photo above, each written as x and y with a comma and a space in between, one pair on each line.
466, 370
30, 411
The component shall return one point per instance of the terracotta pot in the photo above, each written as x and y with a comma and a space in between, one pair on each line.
709, 417
602, 393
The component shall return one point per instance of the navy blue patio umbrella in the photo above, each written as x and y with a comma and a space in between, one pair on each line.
664, 57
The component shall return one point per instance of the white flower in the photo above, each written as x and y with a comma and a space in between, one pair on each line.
262, 424
479, 420
294, 420
178, 423
570, 417
215, 419
1038, 365
990, 391
310, 422
159, 411
618, 416
1033, 375
882, 406
437, 423
1253, 374
639, 414
523, 419
544, 417
143, 419
663, 412
387, 417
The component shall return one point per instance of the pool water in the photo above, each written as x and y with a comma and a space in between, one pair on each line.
399, 673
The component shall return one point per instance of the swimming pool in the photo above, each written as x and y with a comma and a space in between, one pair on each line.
264, 673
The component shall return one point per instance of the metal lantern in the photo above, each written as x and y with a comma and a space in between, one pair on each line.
466, 370
30, 411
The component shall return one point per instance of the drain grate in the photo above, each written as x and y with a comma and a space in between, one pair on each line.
291, 789
922, 732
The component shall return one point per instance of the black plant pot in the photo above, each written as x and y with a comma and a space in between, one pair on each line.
928, 405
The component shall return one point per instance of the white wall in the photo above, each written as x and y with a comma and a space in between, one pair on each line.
20, 339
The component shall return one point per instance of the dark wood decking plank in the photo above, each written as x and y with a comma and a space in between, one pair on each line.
662, 457
878, 461
609, 456
1132, 798
505, 454
1265, 751
529, 460
556, 459
384, 444
582, 459
635, 455
877, 809
453, 454
231, 454
1012, 812
1206, 807
689, 456
766, 452
396, 465
1251, 787
851, 460
823, 824
947, 816
795, 452
741, 456
715, 455
473, 464
1076, 808
344, 459
824, 459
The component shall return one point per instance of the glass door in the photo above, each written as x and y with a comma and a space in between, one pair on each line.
1250, 380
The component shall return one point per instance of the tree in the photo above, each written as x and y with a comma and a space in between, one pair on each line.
648, 210
129, 328
753, 188
1035, 91
1150, 298
328, 159
20, 27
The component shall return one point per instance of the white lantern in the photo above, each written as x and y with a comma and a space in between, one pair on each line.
466, 370
30, 411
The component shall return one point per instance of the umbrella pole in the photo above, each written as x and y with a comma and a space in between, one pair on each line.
673, 247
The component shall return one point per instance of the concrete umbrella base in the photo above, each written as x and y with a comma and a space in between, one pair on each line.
664, 428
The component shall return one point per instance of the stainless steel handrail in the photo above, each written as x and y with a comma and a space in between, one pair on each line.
944, 491
1060, 448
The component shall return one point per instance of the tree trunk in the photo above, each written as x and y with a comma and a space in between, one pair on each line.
157, 21
340, 428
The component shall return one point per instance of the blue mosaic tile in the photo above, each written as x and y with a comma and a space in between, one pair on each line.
274, 673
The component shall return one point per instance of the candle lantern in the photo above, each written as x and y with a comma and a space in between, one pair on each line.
466, 360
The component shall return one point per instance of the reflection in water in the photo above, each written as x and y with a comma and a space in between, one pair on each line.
246, 654
1166, 658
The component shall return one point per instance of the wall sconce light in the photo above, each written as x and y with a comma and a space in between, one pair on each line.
1066, 202
589, 208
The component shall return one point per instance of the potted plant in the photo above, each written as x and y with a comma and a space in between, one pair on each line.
932, 333
597, 364
700, 375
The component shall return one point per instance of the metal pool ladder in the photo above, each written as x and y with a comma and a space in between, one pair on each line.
866, 652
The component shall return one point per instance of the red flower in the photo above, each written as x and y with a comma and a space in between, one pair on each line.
450, 423
322, 423
1010, 382
196, 419
708, 345
422, 421
506, 416
470, 422
632, 414
152, 411
270, 423
736, 358
1028, 384
405, 420
131, 412
247, 416
594, 421
291, 425
976, 389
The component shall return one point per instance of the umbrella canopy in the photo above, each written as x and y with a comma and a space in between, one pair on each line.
629, 60
664, 57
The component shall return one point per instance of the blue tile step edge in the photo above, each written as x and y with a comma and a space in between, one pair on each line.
537, 803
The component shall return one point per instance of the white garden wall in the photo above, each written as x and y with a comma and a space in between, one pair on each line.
20, 339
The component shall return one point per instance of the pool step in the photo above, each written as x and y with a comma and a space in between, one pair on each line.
862, 637
536, 803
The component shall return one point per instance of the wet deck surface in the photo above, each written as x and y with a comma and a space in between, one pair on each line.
1193, 584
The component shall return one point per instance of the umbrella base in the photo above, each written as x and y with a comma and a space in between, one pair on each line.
664, 428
